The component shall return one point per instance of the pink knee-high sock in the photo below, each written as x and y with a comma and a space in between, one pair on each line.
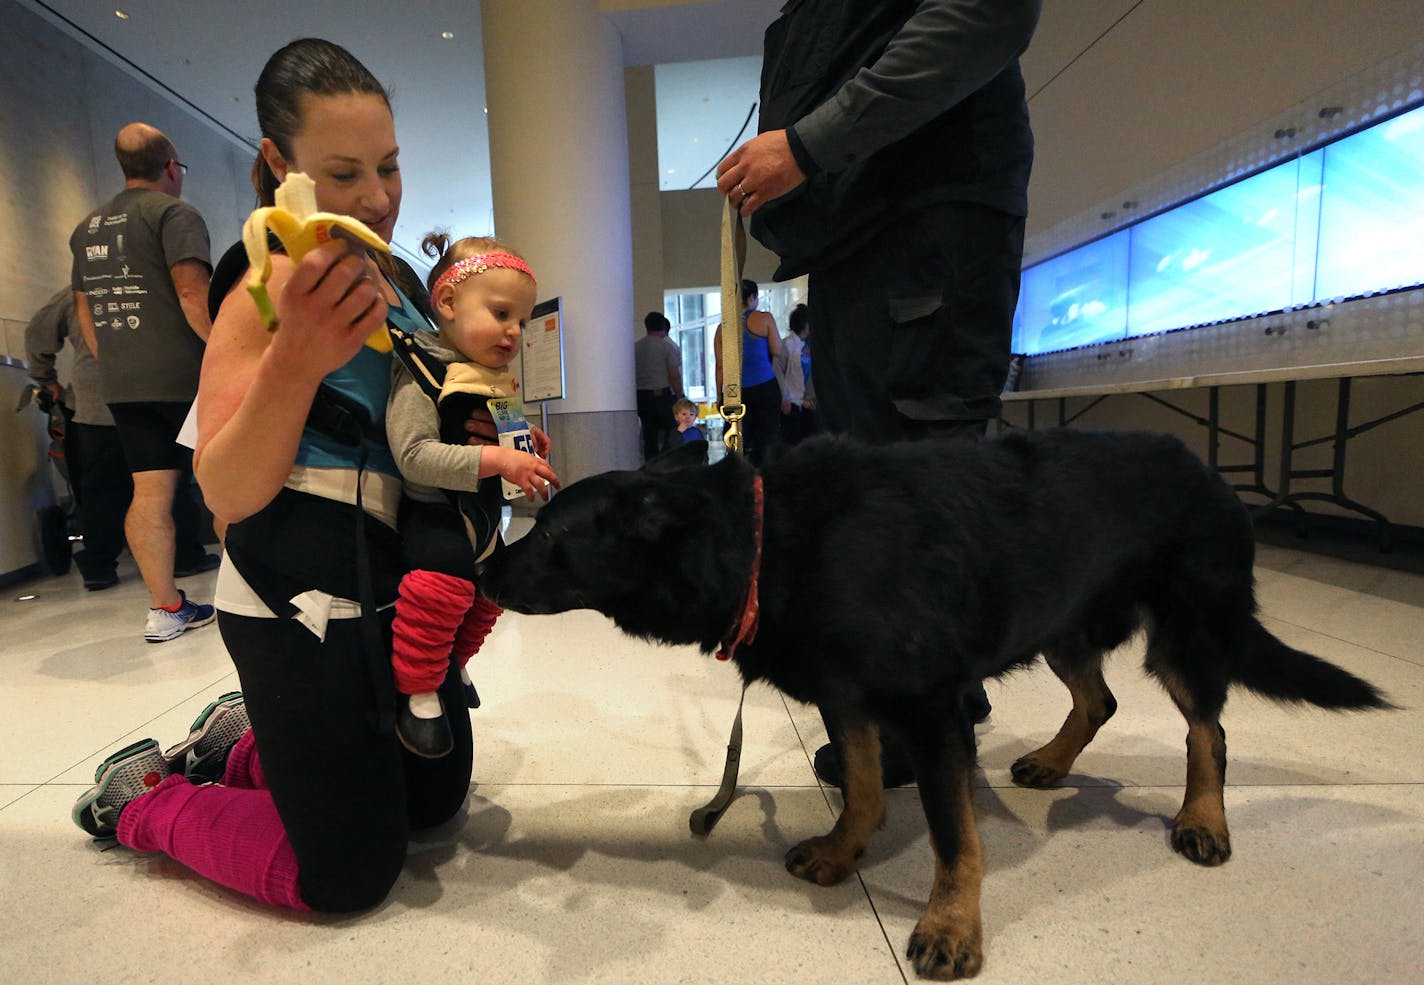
478, 622
233, 837
244, 769
429, 609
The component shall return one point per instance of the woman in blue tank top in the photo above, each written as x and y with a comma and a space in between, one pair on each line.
761, 394
312, 805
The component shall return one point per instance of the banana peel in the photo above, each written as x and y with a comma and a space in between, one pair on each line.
301, 228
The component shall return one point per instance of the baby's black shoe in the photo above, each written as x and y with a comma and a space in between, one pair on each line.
426, 736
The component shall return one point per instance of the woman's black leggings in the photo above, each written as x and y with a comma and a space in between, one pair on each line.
347, 795
761, 427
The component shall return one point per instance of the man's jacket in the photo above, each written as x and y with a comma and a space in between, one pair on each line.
890, 105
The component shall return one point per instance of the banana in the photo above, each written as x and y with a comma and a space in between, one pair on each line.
300, 227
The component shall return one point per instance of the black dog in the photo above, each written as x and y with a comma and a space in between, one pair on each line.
890, 578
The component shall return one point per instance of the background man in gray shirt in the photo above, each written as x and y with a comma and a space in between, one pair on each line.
657, 372
140, 281
98, 475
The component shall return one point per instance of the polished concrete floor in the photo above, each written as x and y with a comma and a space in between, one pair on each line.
575, 864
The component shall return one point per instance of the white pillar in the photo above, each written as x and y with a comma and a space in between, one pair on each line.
559, 173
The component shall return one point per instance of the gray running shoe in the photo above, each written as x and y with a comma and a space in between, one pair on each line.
202, 757
129, 773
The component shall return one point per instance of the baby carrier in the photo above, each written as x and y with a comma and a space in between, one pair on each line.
455, 401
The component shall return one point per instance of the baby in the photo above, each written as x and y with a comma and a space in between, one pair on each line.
482, 293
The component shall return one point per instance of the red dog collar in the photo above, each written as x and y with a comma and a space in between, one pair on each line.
744, 629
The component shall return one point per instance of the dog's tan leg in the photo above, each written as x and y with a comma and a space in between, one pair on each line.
828, 859
1093, 704
948, 941
1199, 831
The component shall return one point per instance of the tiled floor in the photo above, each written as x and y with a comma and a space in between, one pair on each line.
575, 863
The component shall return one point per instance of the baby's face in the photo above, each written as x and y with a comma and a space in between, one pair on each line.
485, 315
685, 418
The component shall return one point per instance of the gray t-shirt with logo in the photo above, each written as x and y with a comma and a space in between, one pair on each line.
123, 252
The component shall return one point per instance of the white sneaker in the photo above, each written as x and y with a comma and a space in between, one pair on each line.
163, 625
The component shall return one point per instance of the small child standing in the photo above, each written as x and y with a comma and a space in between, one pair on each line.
482, 293
684, 411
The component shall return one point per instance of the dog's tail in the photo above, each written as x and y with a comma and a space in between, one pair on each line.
1275, 670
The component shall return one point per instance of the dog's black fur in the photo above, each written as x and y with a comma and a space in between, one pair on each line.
892, 577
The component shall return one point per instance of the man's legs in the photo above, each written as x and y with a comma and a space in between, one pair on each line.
149, 528
913, 338
190, 556
913, 331
103, 489
158, 463
648, 418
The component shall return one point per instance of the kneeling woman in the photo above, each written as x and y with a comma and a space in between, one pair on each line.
317, 800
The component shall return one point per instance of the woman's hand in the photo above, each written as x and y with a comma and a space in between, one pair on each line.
326, 310
480, 427
542, 444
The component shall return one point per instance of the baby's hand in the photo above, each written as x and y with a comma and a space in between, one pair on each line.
529, 472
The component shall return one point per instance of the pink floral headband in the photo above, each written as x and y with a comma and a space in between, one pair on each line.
478, 264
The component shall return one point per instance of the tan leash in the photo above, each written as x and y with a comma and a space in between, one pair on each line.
734, 255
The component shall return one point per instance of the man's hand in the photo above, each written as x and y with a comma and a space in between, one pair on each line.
760, 170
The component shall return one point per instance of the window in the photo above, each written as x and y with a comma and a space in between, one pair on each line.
695, 316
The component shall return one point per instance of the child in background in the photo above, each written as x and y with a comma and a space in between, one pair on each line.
482, 293
684, 411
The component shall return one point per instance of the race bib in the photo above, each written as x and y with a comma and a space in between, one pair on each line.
514, 432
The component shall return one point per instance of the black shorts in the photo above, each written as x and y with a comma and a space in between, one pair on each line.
149, 433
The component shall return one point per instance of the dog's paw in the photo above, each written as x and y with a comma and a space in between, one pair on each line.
1029, 772
1203, 844
943, 955
821, 861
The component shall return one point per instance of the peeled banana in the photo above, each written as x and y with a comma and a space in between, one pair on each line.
300, 227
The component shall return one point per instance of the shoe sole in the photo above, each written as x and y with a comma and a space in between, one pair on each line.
191, 624
82, 813
423, 754
208, 720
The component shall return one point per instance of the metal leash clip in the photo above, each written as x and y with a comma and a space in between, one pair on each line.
732, 437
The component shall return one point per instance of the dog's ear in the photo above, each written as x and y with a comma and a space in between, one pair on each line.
685, 455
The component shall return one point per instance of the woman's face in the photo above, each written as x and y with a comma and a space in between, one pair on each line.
347, 145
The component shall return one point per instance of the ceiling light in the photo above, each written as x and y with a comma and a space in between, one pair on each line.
447, 35
672, 170
696, 139
121, 15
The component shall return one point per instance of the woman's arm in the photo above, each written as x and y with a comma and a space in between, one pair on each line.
257, 387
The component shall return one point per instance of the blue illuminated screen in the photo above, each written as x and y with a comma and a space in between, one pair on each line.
1340, 222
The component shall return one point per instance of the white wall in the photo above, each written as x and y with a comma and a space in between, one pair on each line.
62, 105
